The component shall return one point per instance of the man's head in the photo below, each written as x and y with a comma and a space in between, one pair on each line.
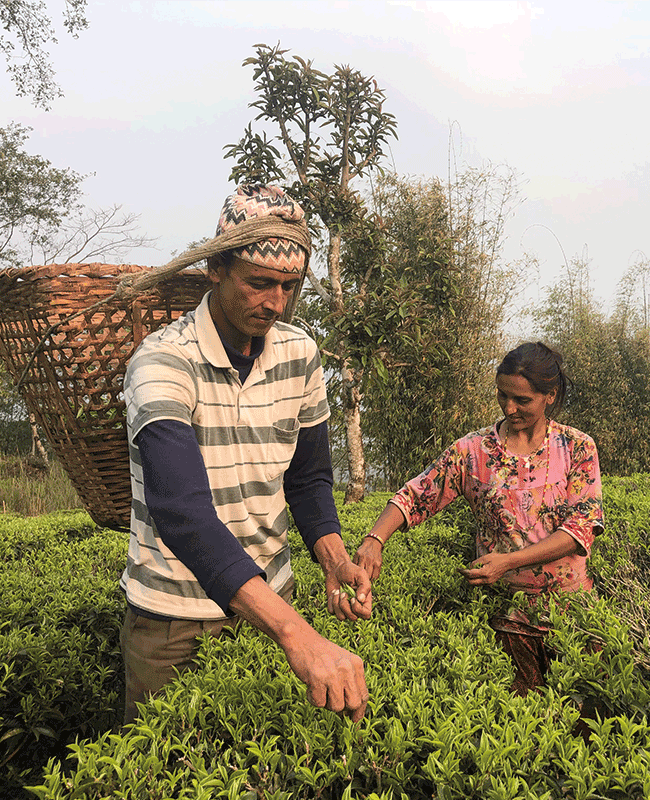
254, 282
265, 204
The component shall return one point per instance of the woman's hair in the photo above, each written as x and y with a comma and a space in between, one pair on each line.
542, 368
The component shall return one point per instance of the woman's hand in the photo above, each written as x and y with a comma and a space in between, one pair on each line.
369, 557
487, 569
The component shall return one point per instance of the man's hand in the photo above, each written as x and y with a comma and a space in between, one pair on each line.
333, 676
342, 574
349, 592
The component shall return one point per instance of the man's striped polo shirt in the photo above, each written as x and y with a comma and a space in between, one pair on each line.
247, 436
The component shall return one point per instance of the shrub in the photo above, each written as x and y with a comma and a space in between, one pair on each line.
59, 636
30, 489
441, 722
620, 562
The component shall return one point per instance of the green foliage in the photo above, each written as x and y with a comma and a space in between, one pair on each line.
441, 721
34, 196
608, 359
59, 636
29, 488
447, 298
27, 33
633, 300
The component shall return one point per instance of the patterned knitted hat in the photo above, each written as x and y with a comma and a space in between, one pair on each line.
256, 201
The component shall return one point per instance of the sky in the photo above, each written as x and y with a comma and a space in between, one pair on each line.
558, 91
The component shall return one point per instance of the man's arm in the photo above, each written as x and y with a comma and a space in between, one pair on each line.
308, 486
179, 500
176, 486
334, 677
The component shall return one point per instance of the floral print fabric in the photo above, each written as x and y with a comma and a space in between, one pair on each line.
518, 500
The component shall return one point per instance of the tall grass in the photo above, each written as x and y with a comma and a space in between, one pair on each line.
30, 491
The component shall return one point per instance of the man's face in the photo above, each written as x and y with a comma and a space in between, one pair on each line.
247, 299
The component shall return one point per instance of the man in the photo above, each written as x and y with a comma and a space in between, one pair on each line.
227, 419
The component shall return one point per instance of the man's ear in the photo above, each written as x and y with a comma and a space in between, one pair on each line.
215, 275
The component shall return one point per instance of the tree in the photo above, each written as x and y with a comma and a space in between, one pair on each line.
445, 243
333, 131
35, 197
42, 219
27, 33
608, 359
91, 235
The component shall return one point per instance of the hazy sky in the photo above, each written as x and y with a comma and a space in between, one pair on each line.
558, 90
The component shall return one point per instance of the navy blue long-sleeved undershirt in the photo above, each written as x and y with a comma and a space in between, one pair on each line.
179, 499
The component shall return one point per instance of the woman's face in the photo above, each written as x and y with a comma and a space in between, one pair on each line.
522, 405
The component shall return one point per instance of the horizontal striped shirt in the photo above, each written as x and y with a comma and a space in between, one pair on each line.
247, 436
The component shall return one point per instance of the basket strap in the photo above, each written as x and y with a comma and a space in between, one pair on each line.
245, 233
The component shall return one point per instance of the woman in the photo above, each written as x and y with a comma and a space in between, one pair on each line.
534, 488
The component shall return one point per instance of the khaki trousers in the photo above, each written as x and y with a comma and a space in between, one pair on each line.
153, 650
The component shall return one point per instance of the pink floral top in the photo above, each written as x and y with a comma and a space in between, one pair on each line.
515, 503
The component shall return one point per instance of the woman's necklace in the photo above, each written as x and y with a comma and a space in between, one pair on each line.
547, 446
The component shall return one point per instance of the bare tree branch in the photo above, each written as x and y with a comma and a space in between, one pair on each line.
93, 234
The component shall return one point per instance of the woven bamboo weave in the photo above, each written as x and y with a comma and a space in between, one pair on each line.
73, 385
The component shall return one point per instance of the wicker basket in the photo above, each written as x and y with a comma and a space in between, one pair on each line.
74, 385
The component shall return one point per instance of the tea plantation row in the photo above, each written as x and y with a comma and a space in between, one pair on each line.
441, 722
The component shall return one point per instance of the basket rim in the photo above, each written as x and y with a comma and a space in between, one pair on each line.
79, 269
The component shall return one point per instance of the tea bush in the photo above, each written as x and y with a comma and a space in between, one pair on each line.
620, 563
61, 612
441, 722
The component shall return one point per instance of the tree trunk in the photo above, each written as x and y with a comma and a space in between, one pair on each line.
356, 487
38, 450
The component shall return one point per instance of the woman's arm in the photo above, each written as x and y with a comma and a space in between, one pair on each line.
489, 568
419, 499
582, 517
369, 555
